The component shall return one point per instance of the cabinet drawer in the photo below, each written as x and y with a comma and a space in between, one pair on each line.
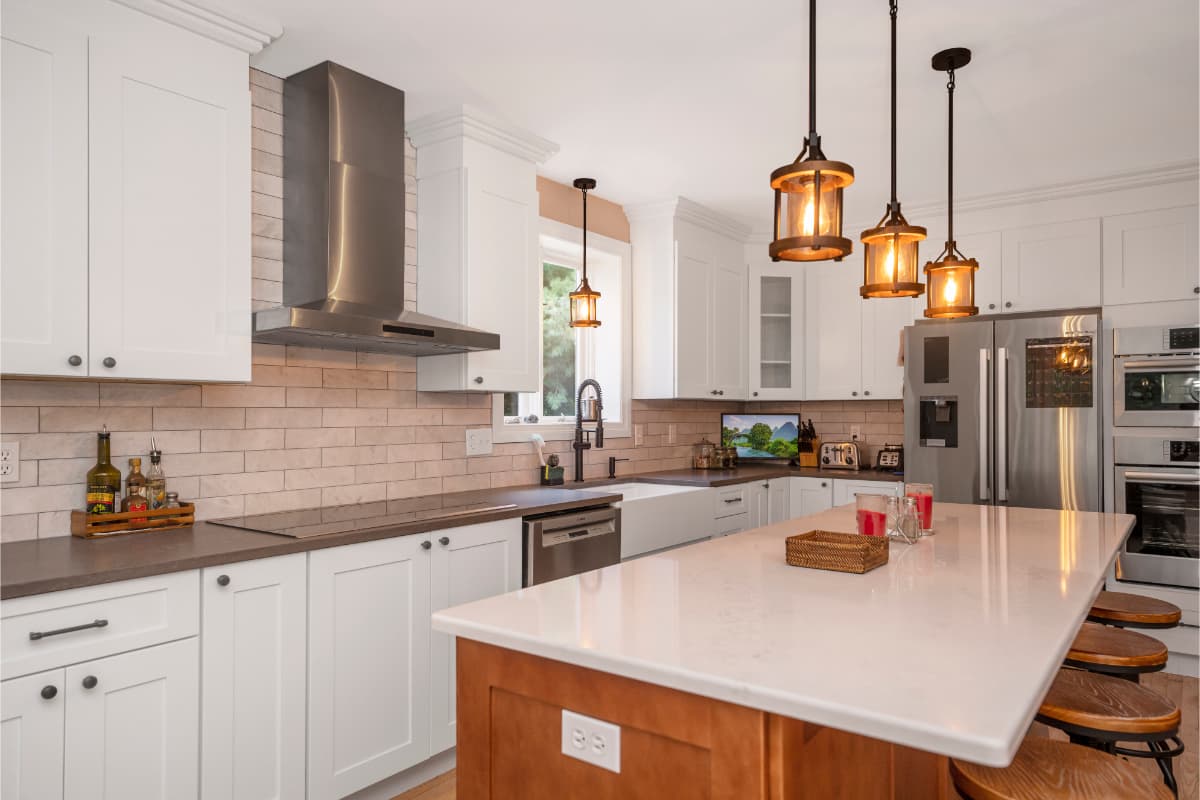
59, 628
732, 524
730, 500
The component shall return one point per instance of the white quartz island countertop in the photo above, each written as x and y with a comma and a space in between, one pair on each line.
948, 648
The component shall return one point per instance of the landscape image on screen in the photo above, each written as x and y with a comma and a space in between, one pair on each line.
761, 435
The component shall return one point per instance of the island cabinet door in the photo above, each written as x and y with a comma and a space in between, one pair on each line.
368, 663
252, 671
31, 737
468, 563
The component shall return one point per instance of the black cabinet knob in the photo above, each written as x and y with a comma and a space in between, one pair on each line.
866, 393
445, 540
49, 692
426, 545
109, 362
756, 394
854, 394
222, 580
479, 379
1196, 290
991, 306
74, 361
1008, 304
824, 485
90, 682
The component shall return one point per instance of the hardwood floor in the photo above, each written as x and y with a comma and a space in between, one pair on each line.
1183, 691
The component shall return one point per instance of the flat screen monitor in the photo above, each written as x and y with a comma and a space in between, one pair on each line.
761, 435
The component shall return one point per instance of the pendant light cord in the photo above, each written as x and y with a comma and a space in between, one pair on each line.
812, 70
950, 246
895, 206
584, 235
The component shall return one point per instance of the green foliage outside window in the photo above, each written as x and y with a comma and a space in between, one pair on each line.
558, 341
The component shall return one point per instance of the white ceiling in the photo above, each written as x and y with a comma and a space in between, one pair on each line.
703, 99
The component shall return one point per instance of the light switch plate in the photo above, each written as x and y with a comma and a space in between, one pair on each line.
592, 740
479, 441
10, 462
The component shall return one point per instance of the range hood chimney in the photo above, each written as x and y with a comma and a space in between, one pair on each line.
343, 217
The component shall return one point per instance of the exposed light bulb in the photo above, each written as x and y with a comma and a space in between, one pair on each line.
889, 263
808, 218
950, 291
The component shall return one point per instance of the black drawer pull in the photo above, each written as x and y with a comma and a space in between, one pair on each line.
733, 499
100, 623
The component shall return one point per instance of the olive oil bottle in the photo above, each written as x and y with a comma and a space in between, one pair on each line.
156, 479
103, 480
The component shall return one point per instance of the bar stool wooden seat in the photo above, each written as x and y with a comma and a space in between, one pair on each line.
1124, 610
1115, 651
1102, 711
1049, 770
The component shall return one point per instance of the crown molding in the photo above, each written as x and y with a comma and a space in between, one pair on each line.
214, 20
681, 208
471, 123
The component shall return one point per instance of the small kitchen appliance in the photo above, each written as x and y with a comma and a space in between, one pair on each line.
890, 459
840, 455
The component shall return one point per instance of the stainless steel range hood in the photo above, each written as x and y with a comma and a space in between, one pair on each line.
343, 218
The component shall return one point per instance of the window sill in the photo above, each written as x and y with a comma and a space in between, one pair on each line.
557, 432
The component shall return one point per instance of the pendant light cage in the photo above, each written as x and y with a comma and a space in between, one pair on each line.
584, 299
808, 191
890, 249
951, 276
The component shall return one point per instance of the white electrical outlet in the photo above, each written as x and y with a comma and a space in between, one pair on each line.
592, 740
639, 435
672, 431
855, 432
479, 441
10, 462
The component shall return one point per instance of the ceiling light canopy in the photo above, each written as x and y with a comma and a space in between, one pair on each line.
808, 192
583, 299
890, 259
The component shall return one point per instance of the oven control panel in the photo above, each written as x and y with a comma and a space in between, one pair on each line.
1185, 451
1182, 339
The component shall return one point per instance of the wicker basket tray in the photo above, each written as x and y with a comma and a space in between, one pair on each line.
91, 526
841, 552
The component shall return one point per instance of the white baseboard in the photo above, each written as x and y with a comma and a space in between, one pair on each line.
401, 782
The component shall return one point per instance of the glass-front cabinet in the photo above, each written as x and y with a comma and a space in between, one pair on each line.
776, 332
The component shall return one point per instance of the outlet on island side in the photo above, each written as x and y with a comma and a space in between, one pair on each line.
592, 740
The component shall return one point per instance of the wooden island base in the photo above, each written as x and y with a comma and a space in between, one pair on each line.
673, 744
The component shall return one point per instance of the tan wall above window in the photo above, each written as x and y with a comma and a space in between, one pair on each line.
562, 203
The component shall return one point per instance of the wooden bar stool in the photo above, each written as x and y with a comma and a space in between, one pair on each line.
1048, 770
1124, 610
1115, 651
1101, 711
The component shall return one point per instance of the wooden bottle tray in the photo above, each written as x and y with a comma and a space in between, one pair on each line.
842, 552
91, 526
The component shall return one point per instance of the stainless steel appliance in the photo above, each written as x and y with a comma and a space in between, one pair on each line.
1005, 410
570, 542
840, 455
1156, 376
1157, 480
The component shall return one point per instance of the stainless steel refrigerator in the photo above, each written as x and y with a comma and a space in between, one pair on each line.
1005, 410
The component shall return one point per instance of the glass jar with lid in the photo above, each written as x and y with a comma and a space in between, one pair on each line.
704, 454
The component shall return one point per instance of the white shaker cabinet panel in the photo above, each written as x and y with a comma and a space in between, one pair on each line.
810, 496
133, 726
759, 499
845, 489
695, 324
469, 563
987, 249
43, 191
368, 663
883, 322
833, 331
1151, 256
253, 714
169, 172
31, 737
779, 500
729, 325
776, 328
1052, 266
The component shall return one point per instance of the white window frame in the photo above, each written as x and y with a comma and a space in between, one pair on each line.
610, 273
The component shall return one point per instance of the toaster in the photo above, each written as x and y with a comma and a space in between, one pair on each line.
839, 455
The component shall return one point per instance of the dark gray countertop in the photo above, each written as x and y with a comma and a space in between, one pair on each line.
743, 474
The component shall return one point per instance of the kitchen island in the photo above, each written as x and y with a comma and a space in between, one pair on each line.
733, 675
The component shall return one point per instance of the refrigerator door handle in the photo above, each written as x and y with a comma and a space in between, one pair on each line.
985, 357
1001, 424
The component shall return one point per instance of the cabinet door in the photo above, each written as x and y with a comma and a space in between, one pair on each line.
883, 323
1052, 266
43, 190
1151, 256
779, 500
135, 732
776, 328
728, 332
758, 499
368, 663
845, 490
693, 313
810, 496
731, 525
469, 563
252, 716
31, 736
987, 249
832, 332
169, 168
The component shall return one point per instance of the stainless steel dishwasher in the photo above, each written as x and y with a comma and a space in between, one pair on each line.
570, 542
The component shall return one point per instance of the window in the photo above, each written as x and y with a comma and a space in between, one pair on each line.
570, 355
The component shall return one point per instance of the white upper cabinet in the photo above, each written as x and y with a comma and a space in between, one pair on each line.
1151, 256
477, 253
127, 140
776, 322
883, 323
689, 302
987, 249
43, 175
833, 330
1051, 266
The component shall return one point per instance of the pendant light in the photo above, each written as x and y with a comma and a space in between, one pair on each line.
811, 218
890, 265
951, 275
583, 299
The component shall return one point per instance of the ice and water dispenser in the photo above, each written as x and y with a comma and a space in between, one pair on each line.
938, 414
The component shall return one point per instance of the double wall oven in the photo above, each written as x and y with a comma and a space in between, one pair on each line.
1156, 452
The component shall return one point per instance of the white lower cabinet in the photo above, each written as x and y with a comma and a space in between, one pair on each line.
32, 716
733, 524
469, 563
253, 635
368, 663
758, 494
132, 726
779, 500
810, 496
844, 490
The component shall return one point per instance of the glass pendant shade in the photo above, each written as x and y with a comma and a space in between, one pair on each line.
583, 306
808, 210
951, 291
891, 267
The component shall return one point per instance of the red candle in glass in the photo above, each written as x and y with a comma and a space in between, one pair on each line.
872, 523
